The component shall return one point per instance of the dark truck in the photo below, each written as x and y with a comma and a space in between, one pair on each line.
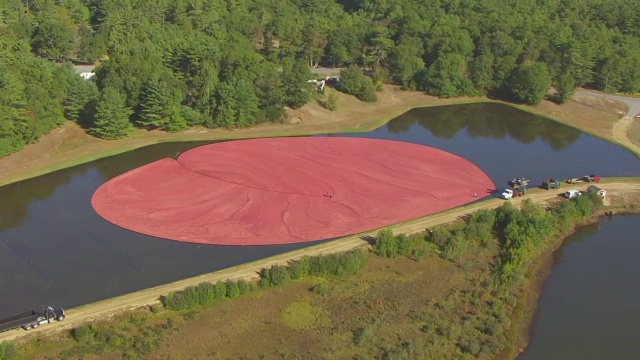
550, 184
31, 319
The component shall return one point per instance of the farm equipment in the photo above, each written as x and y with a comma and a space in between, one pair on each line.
550, 184
518, 188
518, 183
31, 319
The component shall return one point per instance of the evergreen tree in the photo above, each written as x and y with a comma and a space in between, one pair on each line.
529, 83
295, 79
237, 104
112, 116
79, 93
159, 107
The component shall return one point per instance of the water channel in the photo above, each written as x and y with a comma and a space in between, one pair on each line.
589, 307
55, 250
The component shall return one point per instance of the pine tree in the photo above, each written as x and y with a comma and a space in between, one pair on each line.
112, 116
296, 87
159, 107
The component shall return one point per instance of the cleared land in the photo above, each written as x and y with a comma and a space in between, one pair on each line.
288, 190
629, 190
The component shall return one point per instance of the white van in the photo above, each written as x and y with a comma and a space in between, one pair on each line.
570, 194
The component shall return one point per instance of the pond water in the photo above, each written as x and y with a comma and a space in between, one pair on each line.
55, 250
589, 306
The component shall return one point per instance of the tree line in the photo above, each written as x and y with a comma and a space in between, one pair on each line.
171, 64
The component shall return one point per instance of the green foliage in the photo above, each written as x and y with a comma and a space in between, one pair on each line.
85, 334
8, 351
385, 244
295, 79
565, 89
525, 232
529, 83
132, 342
237, 104
243, 63
331, 103
112, 116
354, 82
159, 106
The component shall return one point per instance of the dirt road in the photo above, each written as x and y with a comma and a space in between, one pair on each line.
107, 308
632, 103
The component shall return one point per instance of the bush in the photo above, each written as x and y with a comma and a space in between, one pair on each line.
276, 275
219, 290
245, 287
321, 289
354, 82
331, 103
85, 334
233, 290
385, 245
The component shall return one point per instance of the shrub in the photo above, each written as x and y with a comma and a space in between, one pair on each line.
276, 275
331, 103
245, 287
233, 290
385, 245
85, 334
321, 289
219, 290
354, 82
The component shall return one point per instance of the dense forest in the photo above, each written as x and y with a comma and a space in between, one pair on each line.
170, 64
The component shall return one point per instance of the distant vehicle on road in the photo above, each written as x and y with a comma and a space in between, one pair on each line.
31, 319
570, 194
586, 178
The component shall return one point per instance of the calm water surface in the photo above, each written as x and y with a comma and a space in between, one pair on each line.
54, 249
590, 306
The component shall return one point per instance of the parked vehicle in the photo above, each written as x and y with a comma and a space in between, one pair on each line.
591, 178
550, 184
31, 319
506, 194
570, 194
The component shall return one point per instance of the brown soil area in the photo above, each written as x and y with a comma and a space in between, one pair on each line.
596, 115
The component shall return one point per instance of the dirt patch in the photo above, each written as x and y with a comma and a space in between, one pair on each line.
634, 132
595, 115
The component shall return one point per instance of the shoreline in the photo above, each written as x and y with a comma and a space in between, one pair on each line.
107, 308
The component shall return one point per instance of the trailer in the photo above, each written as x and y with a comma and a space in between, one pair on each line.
31, 319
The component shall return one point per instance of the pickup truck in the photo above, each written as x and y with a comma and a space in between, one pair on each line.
506, 194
